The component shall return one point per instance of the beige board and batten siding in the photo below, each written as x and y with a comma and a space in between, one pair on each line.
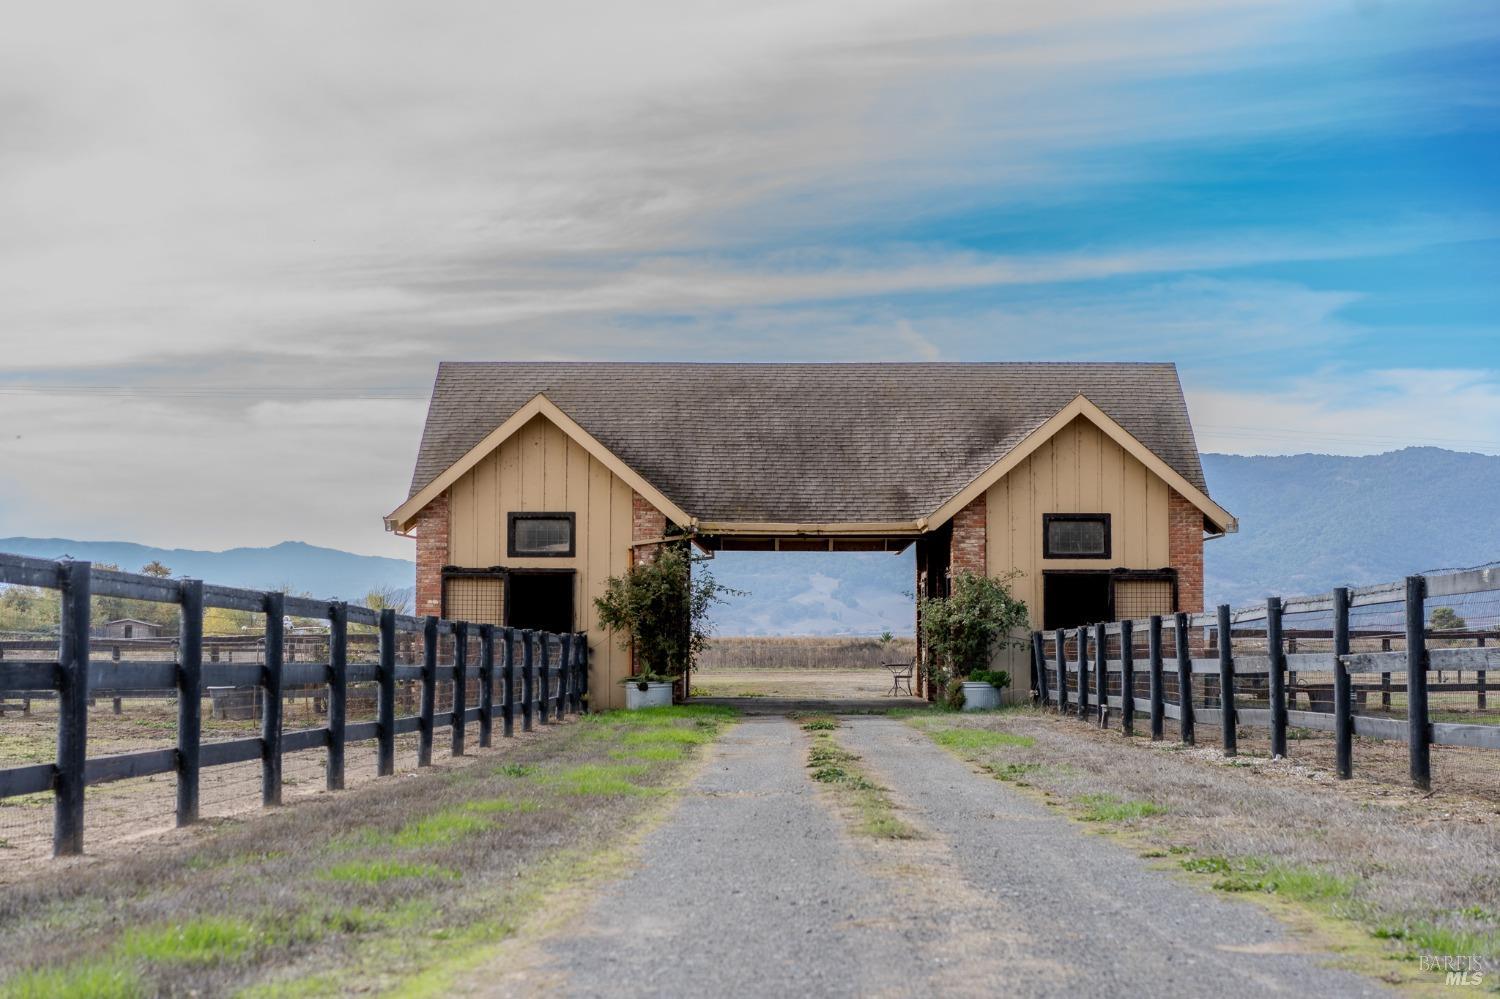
541, 469
1080, 469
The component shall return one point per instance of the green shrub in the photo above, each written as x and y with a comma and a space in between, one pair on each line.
964, 629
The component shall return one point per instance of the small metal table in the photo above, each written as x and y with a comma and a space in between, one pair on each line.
901, 673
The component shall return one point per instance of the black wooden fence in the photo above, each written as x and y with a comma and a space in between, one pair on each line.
73, 674
1168, 660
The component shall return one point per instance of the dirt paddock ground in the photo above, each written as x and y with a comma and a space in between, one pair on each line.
122, 814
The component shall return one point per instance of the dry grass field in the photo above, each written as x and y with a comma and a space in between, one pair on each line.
811, 684
804, 652
397, 885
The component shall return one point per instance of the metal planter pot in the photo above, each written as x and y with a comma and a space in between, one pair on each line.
981, 696
656, 695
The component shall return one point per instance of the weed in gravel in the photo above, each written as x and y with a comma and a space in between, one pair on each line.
437, 829
515, 770
825, 752
492, 805
820, 725
838, 775
93, 981
1206, 865
1108, 808
374, 872
1012, 771
657, 736
600, 779
971, 740
652, 753
1424, 937
835, 766
714, 714
200, 941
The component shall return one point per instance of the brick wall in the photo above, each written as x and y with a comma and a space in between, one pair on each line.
1185, 550
969, 538
432, 554
646, 523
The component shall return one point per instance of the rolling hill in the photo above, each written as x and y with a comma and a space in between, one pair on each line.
301, 568
1308, 522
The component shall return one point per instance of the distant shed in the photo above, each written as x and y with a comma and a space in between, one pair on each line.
130, 627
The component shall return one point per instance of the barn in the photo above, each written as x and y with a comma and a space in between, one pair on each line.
536, 481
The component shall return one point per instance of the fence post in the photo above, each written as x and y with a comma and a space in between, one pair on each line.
270, 717
460, 685
1062, 672
1385, 679
385, 731
72, 709
1184, 681
338, 690
1480, 677
1127, 677
565, 675
189, 699
1418, 731
429, 691
1083, 673
545, 641
582, 693
1343, 710
1101, 677
486, 684
527, 679
1276, 676
1157, 694
1039, 661
1228, 720
508, 680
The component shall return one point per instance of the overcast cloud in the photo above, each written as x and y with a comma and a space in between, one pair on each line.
235, 239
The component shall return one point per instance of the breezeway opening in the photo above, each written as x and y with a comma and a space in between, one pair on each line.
816, 630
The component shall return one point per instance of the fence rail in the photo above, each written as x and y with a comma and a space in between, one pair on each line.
72, 676
1078, 662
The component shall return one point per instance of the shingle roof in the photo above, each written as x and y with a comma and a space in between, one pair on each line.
806, 443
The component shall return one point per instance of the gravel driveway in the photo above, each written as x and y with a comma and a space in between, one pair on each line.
753, 887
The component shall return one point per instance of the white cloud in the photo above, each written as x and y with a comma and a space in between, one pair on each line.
230, 210
1351, 412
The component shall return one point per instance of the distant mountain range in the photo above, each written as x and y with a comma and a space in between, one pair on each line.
1308, 522
299, 567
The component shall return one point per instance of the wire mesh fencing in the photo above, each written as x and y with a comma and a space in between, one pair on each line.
1406, 663
111, 734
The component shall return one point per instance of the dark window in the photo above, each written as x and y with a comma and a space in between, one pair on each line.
1071, 598
1075, 535
130, 631
541, 599
548, 535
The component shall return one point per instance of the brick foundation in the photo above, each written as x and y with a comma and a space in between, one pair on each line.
970, 538
1185, 551
432, 554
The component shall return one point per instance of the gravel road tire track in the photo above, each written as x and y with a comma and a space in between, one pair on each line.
754, 886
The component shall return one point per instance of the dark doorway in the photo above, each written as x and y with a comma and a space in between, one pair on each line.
1070, 599
540, 599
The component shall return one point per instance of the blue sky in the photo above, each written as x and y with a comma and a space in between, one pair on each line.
231, 239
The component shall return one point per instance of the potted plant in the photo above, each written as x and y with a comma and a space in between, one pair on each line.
658, 609
964, 630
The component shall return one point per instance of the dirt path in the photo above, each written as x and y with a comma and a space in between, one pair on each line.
755, 887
